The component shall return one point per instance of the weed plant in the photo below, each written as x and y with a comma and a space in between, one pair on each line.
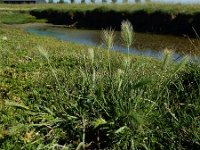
60, 95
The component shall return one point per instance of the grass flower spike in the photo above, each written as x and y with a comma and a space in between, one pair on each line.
108, 38
127, 33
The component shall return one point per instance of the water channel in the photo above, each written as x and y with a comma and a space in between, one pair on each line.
145, 44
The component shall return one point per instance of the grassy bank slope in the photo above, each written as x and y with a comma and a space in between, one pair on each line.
147, 7
59, 95
151, 17
14, 17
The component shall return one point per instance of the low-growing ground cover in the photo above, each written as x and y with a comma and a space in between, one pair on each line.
60, 95
10, 17
18, 17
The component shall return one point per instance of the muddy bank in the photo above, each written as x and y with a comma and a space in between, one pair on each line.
154, 22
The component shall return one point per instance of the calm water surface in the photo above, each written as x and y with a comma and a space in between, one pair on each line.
150, 45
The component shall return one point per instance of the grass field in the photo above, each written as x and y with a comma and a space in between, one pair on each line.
59, 95
148, 7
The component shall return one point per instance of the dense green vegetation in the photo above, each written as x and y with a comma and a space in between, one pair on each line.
60, 95
12, 17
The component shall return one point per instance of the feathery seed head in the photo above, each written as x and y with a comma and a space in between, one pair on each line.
127, 33
43, 52
108, 38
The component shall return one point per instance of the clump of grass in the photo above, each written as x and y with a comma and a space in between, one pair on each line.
93, 108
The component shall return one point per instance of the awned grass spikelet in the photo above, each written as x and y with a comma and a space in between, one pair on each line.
46, 56
127, 33
108, 38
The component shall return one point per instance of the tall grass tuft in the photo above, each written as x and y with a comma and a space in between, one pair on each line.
44, 53
127, 34
108, 39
